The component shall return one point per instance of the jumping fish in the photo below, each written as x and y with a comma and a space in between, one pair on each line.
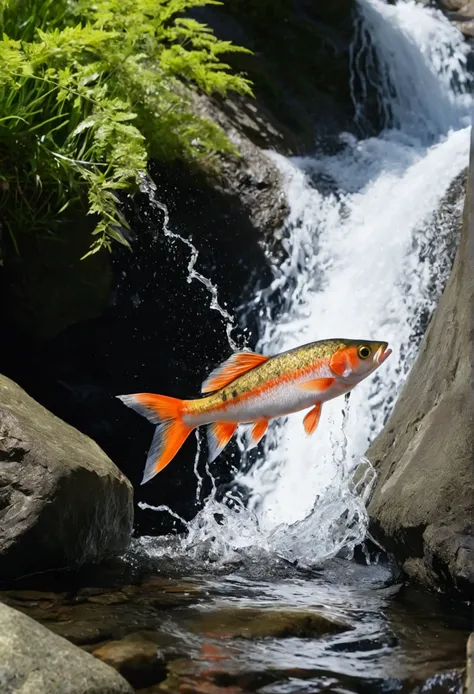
251, 388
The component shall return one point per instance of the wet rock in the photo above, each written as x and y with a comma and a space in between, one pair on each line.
302, 90
461, 13
63, 502
422, 505
136, 658
84, 633
451, 5
469, 675
251, 623
203, 676
251, 178
36, 661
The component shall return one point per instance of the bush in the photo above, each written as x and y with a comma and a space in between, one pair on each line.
88, 92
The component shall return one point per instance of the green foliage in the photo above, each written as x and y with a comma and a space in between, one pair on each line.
88, 92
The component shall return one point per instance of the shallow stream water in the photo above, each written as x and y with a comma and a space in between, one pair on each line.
258, 625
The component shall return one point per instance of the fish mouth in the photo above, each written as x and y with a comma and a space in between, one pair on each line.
382, 353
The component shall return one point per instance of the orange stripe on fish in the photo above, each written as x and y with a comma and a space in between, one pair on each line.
268, 385
252, 388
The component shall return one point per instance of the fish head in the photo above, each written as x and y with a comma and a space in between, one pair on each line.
357, 359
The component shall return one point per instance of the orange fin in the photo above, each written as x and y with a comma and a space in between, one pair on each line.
170, 434
339, 363
257, 432
218, 436
311, 421
317, 385
238, 364
156, 408
168, 439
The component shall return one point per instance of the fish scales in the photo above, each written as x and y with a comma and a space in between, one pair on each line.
285, 365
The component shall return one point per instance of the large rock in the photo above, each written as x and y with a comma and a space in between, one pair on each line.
33, 660
461, 13
423, 502
63, 502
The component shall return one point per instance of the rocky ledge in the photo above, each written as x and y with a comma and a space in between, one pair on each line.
423, 503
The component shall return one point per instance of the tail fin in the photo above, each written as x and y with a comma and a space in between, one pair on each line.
170, 433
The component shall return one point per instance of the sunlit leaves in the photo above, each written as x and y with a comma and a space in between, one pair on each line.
88, 92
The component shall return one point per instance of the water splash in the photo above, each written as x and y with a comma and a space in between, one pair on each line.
361, 283
353, 269
148, 187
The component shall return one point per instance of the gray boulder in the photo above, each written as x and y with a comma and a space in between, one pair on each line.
63, 502
33, 660
423, 502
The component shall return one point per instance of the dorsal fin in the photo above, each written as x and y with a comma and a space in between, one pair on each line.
238, 364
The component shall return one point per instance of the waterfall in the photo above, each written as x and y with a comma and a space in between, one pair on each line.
353, 269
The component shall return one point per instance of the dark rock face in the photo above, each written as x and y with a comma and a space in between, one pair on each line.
63, 502
36, 661
423, 502
47, 286
300, 67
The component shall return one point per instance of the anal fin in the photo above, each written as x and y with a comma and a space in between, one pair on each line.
218, 436
311, 420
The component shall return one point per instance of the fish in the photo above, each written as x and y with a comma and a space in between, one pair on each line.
250, 388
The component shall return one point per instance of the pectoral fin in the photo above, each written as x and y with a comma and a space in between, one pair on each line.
317, 385
311, 421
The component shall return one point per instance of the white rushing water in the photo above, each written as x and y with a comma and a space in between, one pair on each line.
352, 270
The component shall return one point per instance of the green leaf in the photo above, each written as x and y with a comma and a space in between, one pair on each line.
89, 91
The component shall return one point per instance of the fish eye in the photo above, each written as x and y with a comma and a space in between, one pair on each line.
364, 351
